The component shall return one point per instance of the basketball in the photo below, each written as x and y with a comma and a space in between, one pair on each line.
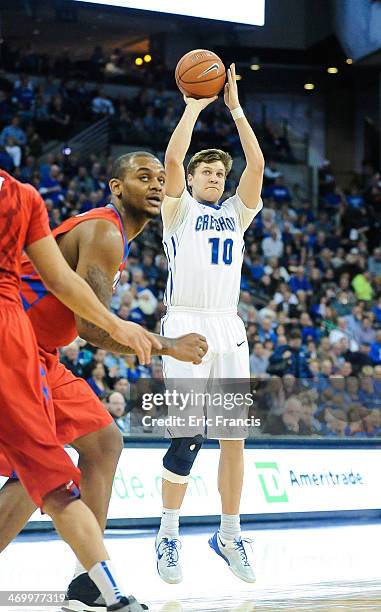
200, 74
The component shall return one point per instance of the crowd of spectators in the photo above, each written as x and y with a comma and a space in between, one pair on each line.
311, 278
55, 104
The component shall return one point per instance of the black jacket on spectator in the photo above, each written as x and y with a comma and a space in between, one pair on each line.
358, 360
297, 364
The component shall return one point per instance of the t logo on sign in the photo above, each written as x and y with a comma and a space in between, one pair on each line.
271, 483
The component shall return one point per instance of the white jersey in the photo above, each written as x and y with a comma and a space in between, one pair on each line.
204, 247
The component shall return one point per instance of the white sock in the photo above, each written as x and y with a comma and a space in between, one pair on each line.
230, 528
104, 576
79, 569
169, 526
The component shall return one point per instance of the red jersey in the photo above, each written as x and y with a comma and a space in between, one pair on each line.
23, 220
53, 323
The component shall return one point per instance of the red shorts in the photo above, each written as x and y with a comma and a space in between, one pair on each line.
75, 409
28, 430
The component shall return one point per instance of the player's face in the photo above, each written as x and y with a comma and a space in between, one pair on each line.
208, 181
143, 186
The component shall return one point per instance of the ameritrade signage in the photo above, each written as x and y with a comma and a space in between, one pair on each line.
276, 481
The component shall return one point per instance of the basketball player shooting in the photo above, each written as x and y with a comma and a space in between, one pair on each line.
203, 240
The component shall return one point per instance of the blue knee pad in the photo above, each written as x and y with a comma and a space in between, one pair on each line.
180, 457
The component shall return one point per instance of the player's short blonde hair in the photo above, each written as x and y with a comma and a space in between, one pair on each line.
208, 156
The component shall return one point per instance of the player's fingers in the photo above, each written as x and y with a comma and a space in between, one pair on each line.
204, 346
140, 353
155, 343
144, 347
201, 341
147, 350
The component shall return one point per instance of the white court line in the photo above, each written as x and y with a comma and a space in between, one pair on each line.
332, 561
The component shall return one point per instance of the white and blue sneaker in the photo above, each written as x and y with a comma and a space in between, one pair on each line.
168, 560
235, 555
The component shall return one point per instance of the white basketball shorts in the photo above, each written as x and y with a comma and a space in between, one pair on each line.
227, 358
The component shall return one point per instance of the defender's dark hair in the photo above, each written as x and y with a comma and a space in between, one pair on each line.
122, 163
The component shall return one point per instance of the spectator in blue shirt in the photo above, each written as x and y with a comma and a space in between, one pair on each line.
257, 269
14, 131
50, 186
334, 198
299, 281
355, 199
45, 167
24, 95
278, 191
133, 372
375, 349
308, 329
97, 380
266, 331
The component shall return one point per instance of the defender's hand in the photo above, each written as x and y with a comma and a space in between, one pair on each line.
231, 89
136, 337
200, 104
191, 347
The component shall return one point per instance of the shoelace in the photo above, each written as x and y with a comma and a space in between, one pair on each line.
239, 545
169, 549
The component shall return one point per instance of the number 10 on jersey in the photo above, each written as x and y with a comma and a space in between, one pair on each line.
227, 250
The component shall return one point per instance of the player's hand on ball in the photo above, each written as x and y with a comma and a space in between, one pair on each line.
231, 89
137, 338
191, 347
199, 104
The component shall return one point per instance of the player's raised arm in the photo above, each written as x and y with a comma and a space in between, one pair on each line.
179, 144
250, 185
100, 249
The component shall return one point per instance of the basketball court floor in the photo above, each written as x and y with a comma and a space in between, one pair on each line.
325, 568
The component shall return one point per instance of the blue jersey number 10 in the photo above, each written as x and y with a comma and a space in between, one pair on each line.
227, 250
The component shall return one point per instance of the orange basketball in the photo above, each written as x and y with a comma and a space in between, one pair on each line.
200, 74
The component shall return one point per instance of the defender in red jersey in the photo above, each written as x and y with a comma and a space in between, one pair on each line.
28, 430
95, 244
